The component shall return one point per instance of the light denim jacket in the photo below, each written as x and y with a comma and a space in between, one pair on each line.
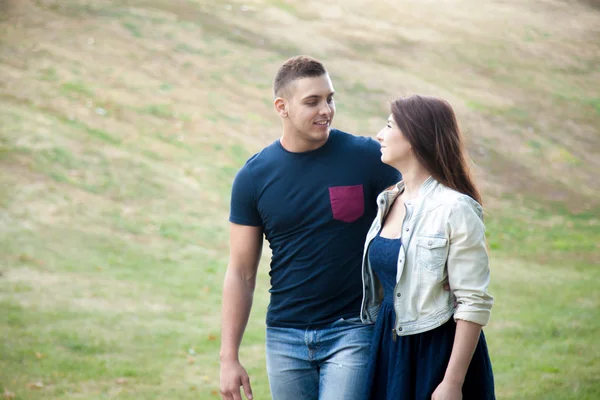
442, 241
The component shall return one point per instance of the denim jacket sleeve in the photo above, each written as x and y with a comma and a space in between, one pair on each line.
468, 262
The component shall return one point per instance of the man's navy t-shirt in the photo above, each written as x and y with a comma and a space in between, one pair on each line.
315, 209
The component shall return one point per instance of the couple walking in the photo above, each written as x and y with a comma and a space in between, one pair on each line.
379, 274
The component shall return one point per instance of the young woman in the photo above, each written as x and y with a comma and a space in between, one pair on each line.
428, 236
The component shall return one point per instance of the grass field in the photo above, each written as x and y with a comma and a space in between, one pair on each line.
122, 124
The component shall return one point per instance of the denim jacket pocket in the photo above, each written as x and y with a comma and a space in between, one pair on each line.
432, 252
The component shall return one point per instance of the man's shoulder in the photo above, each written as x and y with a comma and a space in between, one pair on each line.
263, 158
356, 142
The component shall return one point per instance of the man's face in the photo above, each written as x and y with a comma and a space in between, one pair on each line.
311, 108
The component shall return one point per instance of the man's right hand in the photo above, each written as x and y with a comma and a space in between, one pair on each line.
233, 375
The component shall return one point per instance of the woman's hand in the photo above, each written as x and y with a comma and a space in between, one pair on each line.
447, 391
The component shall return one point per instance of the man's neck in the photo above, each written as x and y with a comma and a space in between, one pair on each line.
292, 144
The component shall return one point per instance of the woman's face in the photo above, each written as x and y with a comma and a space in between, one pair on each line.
395, 148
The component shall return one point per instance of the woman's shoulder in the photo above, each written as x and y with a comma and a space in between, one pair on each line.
457, 201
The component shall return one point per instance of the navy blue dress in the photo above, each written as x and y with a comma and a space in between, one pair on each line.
411, 367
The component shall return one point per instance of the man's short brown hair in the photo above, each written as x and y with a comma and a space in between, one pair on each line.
296, 68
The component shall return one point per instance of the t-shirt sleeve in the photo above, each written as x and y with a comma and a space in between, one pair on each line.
388, 176
243, 208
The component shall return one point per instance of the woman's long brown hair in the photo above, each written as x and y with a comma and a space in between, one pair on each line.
430, 126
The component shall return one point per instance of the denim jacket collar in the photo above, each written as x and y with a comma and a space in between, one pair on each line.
426, 187
387, 198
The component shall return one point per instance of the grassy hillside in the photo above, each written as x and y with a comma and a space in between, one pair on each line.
122, 124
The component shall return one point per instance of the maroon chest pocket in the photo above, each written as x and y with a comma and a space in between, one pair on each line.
347, 202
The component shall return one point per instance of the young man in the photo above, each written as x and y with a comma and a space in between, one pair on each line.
312, 193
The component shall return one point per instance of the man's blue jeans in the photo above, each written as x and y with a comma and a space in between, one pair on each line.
324, 363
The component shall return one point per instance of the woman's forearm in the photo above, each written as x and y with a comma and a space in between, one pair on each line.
465, 342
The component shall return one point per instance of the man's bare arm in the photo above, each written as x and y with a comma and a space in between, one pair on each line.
238, 292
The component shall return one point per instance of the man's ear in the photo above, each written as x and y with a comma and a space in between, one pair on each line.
281, 106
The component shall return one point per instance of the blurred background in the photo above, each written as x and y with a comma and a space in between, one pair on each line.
123, 123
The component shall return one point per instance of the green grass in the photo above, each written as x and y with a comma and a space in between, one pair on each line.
158, 110
133, 29
141, 311
113, 225
186, 48
547, 234
49, 74
76, 88
543, 330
